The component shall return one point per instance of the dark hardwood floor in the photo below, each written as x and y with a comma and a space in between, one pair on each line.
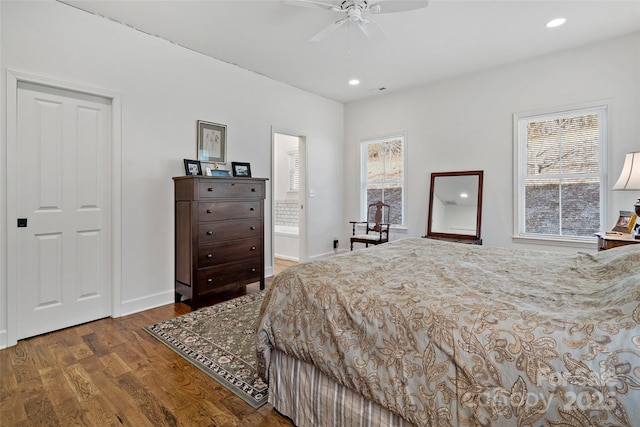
112, 372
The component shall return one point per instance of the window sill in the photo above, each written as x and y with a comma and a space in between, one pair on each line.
579, 243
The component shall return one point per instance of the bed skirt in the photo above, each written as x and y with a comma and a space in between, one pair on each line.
309, 398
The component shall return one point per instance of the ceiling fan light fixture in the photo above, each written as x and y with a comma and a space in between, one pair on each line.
555, 22
356, 10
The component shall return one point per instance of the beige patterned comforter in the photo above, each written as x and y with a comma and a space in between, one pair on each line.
450, 334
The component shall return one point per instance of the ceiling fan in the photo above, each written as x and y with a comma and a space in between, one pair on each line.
356, 12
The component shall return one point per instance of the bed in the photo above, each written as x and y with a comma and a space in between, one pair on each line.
419, 332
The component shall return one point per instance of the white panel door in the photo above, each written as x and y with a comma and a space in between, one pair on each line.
63, 175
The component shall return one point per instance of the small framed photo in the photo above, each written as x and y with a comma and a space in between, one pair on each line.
192, 167
207, 168
626, 222
241, 169
212, 142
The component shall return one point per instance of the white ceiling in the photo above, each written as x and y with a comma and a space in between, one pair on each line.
449, 37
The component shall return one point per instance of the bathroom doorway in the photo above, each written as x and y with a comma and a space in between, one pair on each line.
289, 197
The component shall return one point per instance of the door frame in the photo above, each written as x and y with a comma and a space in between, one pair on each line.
13, 77
303, 195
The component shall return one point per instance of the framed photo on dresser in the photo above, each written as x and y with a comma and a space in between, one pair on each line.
241, 169
192, 167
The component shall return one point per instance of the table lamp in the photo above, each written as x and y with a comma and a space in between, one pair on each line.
630, 176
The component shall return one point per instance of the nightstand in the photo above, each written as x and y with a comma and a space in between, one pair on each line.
608, 241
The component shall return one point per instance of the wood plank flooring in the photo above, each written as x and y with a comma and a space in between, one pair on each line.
112, 373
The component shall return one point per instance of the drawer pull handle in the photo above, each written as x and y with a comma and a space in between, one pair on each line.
253, 248
253, 270
233, 184
210, 189
209, 280
209, 255
252, 228
209, 233
252, 209
253, 190
209, 211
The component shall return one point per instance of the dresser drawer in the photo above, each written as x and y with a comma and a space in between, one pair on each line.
212, 232
242, 190
224, 252
215, 211
212, 278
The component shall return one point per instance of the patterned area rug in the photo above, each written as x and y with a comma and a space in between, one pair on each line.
221, 341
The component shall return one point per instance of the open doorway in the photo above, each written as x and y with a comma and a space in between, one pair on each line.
289, 198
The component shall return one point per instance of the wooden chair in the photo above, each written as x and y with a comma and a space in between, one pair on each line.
377, 230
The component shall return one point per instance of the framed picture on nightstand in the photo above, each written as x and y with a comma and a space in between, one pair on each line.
626, 222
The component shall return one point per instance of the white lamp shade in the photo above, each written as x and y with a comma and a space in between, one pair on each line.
630, 175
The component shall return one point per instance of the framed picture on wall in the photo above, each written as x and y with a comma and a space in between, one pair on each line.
241, 169
212, 142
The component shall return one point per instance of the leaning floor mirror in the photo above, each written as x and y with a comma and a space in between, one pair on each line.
455, 206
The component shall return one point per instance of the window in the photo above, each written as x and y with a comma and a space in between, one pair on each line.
294, 170
383, 175
560, 179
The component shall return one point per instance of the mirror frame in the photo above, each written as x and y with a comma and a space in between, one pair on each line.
453, 236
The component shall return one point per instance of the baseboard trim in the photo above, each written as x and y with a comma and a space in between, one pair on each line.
287, 257
3, 339
146, 303
326, 255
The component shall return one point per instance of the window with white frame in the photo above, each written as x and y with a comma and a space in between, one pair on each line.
561, 181
383, 175
294, 170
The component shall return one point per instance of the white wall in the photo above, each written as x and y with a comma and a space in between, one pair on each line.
465, 123
164, 90
3, 203
456, 219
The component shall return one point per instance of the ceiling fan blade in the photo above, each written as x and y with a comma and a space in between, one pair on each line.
392, 6
372, 30
328, 30
313, 3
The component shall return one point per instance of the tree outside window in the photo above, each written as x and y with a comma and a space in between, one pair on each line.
383, 175
560, 186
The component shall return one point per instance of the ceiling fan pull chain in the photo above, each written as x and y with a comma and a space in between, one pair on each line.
349, 39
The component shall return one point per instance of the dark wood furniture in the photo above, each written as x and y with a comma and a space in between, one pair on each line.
219, 235
454, 240
377, 226
609, 241
455, 206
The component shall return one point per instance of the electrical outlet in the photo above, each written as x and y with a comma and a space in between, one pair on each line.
335, 244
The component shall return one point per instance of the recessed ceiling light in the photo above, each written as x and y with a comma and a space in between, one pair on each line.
464, 195
556, 22
354, 82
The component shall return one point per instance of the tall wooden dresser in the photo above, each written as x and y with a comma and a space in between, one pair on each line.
219, 235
